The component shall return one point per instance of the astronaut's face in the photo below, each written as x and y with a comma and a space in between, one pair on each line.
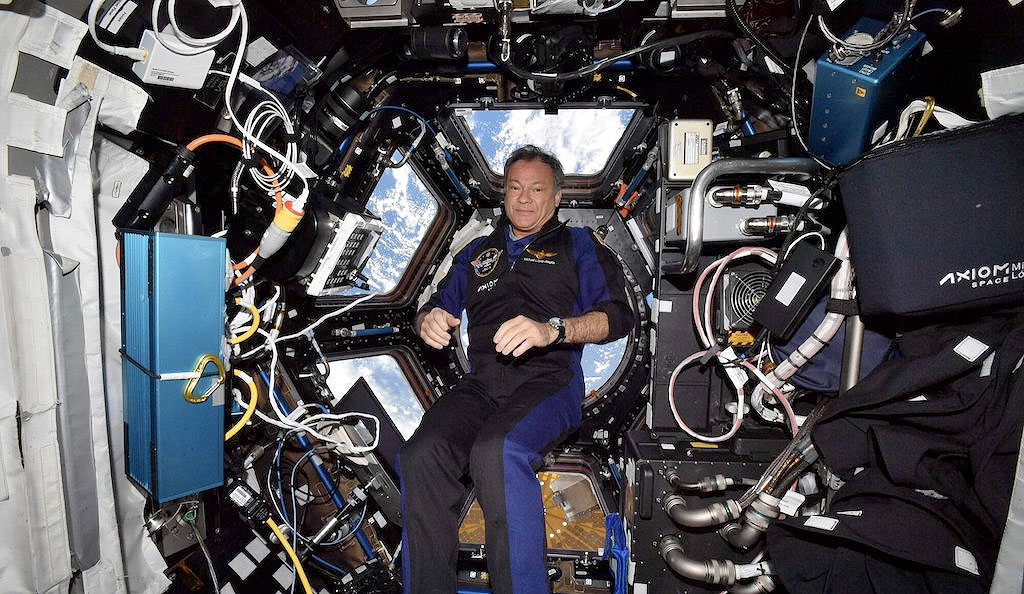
530, 196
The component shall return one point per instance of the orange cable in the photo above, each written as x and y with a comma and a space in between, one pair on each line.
278, 197
198, 142
248, 272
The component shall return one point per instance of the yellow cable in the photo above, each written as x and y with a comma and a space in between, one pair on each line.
291, 553
626, 91
252, 329
929, 107
245, 377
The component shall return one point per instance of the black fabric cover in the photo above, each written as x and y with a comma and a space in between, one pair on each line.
822, 372
935, 222
927, 445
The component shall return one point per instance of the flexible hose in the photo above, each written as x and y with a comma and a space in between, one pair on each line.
252, 327
253, 397
842, 289
291, 553
208, 138
756, 519
749, 33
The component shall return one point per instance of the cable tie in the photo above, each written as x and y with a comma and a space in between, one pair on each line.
710, 354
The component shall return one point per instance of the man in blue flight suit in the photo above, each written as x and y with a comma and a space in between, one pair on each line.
535, 291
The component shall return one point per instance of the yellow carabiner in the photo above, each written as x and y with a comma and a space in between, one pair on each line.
190, 386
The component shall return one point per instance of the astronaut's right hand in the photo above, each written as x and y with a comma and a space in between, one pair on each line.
436, 327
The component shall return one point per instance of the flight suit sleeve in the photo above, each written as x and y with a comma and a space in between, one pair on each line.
602, 285
451, 291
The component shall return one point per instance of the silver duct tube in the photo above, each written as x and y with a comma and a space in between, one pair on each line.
762, 585
722, 167
713, 515
756, 519
852, 350
711, 572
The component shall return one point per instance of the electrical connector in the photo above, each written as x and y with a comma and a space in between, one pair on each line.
730, 363
157, 64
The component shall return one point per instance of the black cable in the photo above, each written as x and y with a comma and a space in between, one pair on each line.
303, 461
800, 215
779, 488
601, 65
752, 36
792, 98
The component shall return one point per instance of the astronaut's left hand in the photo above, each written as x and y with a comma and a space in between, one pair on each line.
520, 334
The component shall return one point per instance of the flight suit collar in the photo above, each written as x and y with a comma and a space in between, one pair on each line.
505, 227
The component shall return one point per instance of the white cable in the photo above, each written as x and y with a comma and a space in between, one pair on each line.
135, 53
208, 42
326, 317
262, 416
394, 556
206, 553
185, 44
307, 425
229, 88
592, 12
737, 416
820, 237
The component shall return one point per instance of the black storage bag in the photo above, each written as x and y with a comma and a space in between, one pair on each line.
936, 223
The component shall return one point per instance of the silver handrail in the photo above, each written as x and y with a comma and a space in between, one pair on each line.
695, 209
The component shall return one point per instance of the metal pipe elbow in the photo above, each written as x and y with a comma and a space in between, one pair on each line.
707, 484
710, 572
762, 585
713, 515
756, 519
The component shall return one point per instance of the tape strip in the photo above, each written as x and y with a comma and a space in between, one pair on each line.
33, 125
52, 35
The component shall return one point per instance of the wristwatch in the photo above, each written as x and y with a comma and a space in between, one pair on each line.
558, 324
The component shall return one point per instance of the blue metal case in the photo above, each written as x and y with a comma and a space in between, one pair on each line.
852, 102
172, 315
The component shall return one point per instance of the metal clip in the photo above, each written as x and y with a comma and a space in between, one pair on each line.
190, 386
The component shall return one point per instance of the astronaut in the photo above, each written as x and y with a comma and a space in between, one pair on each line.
535, 291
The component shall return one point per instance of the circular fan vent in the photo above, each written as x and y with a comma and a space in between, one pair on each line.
745, 291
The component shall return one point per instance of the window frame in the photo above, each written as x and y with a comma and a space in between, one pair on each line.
434, 239
584, 190
408, 366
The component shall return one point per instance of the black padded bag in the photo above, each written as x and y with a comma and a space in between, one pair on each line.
936, 223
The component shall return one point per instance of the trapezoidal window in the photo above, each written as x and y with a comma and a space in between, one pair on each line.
388, 383
582, 139
407, 209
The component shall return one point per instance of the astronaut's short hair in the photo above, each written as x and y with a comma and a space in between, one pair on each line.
529, 152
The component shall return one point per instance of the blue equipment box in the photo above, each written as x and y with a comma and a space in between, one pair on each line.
172, 317
852, 102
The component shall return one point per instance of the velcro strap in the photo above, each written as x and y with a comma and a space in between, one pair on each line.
847, 307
